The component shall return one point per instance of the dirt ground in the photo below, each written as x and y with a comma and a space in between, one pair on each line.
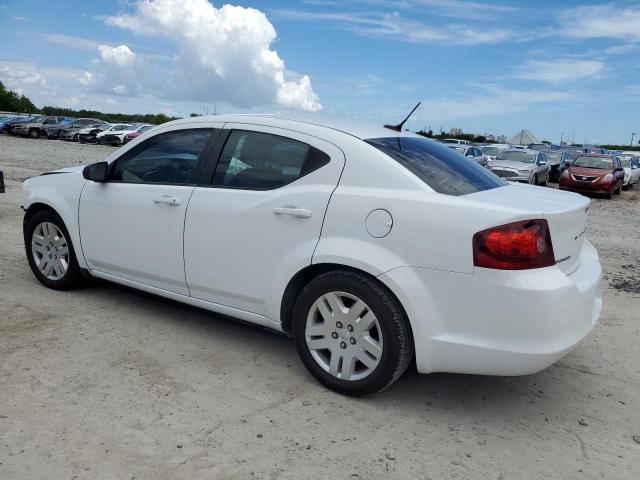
110, 383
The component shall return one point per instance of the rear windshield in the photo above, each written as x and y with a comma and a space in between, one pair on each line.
602, 163
442, 168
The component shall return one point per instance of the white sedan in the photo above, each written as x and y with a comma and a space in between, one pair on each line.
631, 167
370, 247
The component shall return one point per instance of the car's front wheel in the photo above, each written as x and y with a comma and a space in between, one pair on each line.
50, 252
351, 333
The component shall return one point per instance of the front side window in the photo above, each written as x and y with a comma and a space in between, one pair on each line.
261, 161
168, 158
437, 165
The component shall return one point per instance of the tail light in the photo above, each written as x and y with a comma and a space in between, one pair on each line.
515, 246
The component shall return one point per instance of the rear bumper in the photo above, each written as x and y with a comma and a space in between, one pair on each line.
496, 322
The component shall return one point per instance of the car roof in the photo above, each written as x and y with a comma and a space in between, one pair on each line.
525, 150
354, 128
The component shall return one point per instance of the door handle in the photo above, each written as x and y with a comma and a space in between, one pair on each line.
167, 200
293, 211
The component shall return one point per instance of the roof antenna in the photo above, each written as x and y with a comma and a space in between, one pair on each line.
398, 128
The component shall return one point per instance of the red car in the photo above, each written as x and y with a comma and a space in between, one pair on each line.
595, 174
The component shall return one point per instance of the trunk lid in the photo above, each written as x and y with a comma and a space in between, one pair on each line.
565, 212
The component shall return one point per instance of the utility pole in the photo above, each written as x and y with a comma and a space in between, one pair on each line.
632, 136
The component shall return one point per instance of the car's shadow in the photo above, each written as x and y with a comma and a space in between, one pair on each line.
466, 394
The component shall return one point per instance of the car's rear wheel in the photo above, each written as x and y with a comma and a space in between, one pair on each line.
50, 253
535, 179
76, 137
34, 133
351, 333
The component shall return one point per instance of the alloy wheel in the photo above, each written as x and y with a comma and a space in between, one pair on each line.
50, 251
344, 336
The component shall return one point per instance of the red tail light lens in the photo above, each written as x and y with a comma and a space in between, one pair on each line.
515, 246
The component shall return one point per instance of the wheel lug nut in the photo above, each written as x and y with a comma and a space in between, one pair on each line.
343, 345
334, 335
352, 340
350, 328
339, 324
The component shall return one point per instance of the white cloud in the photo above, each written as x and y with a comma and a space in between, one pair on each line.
71, 42
21, 75
20, 19
120, 56
224, 55
560, 71
394, 26
602, 21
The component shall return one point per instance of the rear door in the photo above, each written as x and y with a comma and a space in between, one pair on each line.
259, 220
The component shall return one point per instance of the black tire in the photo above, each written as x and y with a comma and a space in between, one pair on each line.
76, 137
34, 133
611, 193
618, 190
72, 278
397, 352
535, 179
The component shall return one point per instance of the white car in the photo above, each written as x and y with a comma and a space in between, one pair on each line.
371, 247
471, 152
112, 134
631, 167
493, 150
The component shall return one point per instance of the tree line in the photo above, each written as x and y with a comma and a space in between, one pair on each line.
11, 101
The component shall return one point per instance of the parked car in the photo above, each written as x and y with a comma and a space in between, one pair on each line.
10, 125
542, 147
363, 243
8, 119
111, 135
559, 161
631, 167
89, 133
522, 165
37, 128
471, 152
456, 141
491, 151
135, 134
594, 174
117, 137
72, 130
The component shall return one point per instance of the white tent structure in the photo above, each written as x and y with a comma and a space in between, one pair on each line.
524, 137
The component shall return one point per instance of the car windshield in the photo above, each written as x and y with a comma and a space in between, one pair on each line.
601, 163
440, 167
491, 150
517, 156
554, 156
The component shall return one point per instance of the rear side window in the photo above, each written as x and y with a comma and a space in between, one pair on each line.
442, 168
261, 161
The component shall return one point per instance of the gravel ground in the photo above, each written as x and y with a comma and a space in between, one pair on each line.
106, 382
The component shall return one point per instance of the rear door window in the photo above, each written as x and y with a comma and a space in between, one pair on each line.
262, 161
437, 165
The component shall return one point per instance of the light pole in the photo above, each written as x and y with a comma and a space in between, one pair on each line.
632, 136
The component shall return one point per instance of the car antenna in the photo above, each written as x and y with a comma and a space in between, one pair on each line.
398, 128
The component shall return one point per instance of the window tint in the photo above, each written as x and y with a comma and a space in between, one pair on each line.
601, 163
261, 161
440, 167
170, 157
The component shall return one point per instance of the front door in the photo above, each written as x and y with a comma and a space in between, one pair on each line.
131, 227
259, 221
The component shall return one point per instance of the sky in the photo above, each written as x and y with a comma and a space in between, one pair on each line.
560, 69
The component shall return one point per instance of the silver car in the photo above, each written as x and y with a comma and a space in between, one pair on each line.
471, 152
522, 165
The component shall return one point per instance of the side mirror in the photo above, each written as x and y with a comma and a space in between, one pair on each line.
96, 172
